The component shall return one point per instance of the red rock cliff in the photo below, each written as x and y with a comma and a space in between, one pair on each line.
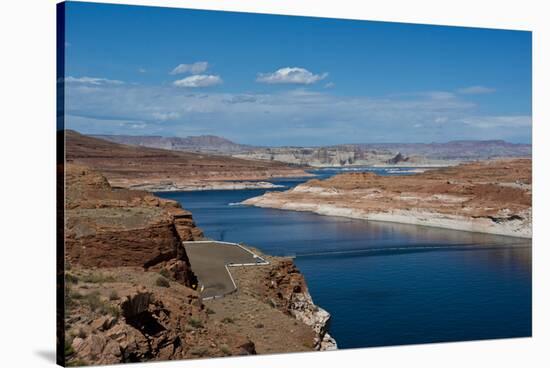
110, 227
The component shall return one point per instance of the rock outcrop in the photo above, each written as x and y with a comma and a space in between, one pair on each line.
109, 227
286, 289
383, 154
145, 324
130, 291
398, 158
486, 196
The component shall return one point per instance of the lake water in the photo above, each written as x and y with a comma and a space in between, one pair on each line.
385, 283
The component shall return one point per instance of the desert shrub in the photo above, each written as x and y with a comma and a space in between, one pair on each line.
68, 348
199, 351
225, 349
97, 278
71, 296
195, 322
189, 328
259, 325
76, 295
162, 282
107, 308
70, 278
273, 303
76, 363
165, 273
113, 295
68, 300
210, 311
93, 300
228, 320
96, 304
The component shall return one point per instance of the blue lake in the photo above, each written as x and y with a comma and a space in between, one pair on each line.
385, 283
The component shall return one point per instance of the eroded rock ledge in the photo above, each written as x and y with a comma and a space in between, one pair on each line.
283, 287
287, 289
487, 196
130, 294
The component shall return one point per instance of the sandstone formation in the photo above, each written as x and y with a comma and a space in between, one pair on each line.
287, 289
486, 196
383, 154
159, 169
116, 322
108, 227
130, 289
169, 186
418, 154
282, 287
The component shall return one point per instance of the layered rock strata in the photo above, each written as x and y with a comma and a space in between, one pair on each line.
486, 196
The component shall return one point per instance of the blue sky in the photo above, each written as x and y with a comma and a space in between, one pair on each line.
280, 80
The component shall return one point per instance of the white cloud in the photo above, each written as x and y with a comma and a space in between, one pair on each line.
200, 80
475, 90
194, 68
290, 75
494, 122
329, 85
301, 116
92, 81
163, 116
439, 95
142, 70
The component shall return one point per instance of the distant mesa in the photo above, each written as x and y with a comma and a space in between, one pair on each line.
161, 169
398, 159
356, 154
204, 143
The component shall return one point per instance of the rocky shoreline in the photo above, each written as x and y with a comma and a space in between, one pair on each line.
282, 285
489, 197
205, 185
506, 227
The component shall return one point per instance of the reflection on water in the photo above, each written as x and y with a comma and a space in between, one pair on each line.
386, 283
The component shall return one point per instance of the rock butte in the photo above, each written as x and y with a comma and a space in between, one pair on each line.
130, 289
484, 196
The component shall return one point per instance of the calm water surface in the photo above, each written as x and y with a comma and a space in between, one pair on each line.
384, 283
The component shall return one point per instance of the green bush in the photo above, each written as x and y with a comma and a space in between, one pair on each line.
228, 320
195, 322
70, 278
97, 278
93, 300
199, 351
162, 282
109, 309
165, 273
225, 349
68, 348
